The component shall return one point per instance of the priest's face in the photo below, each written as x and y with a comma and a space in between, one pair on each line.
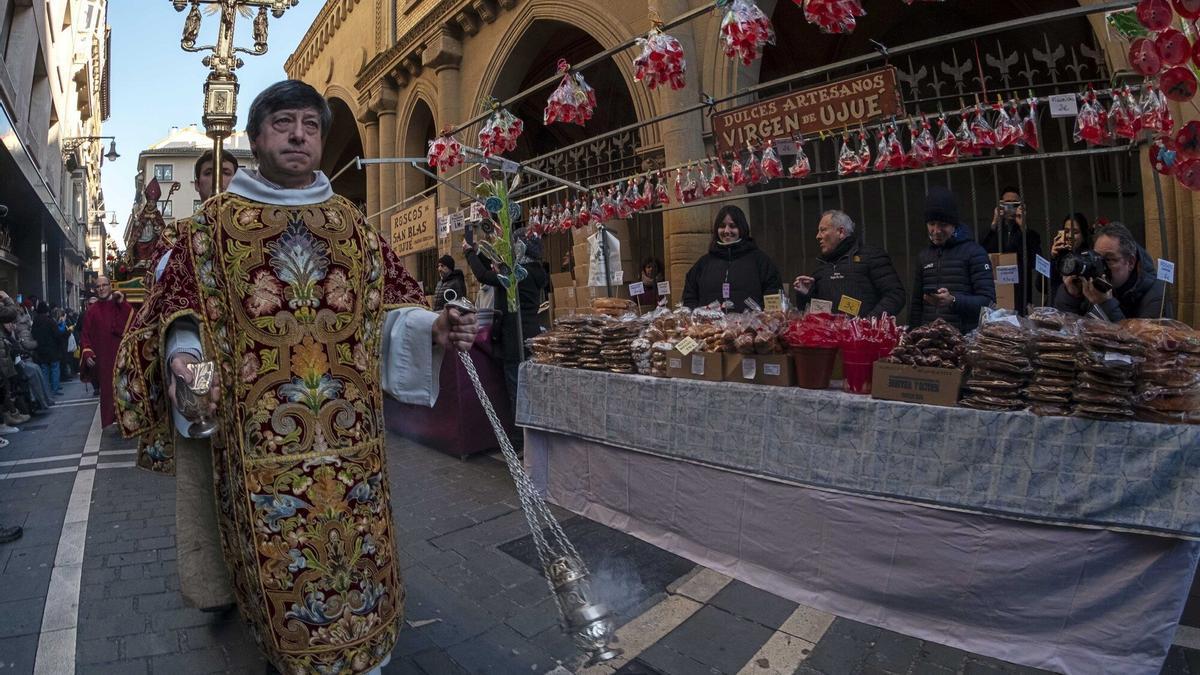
288, 147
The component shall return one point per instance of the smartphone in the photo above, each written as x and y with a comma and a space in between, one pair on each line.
469, 234
1009, 208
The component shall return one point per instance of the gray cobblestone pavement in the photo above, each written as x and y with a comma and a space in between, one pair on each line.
476, 602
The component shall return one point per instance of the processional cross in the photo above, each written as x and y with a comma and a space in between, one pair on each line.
221, 85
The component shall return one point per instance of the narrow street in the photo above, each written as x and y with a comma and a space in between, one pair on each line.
94, 583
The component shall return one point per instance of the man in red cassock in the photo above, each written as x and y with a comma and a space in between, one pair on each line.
102, 333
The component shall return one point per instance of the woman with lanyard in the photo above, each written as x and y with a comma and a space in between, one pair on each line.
734, 269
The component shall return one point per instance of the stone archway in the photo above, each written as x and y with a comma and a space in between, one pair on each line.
342, 145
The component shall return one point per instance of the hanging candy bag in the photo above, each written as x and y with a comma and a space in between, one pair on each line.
745, 30
801, 167
772, 168
946, 144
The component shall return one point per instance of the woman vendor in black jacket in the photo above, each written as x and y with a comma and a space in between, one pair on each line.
734, 268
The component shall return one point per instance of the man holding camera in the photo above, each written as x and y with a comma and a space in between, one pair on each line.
1109, 282
1009, 235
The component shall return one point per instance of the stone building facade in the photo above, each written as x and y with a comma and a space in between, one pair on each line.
54, 90
398, 71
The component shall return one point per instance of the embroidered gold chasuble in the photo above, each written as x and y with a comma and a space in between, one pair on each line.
290, 303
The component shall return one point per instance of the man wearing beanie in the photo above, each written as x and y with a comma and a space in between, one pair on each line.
448, 279
954, 274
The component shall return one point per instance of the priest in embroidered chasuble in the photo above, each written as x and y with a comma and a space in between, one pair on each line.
309, 318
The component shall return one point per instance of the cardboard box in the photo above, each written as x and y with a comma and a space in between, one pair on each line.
916, 384
770, 369
1006, 295
564, 297
562, 279
707, 366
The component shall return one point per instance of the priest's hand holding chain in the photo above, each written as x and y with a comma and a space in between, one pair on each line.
455, 329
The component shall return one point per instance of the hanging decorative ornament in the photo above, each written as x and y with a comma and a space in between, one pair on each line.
1162, 155
1188, 9
609, 205
745, 30
848, 159
646, 198
1030, 135
946, 144
772, 168
661, 198
832, 16
573, 101
445, 152
596, 211
1155, 15
723, 179
661, 60
801, 167
968, 144
864, 152
1156, 116
1178, 83
1173, 47
708, 187
1088, 127
1188, 174
883, 152
500, 132
679, 186
691, 191
583, 215
568, 218
633, 196
1143, 57
1123, 119
924, 151
985, 135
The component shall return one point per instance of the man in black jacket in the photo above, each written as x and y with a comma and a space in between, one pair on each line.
849, 269
1010, 235
954, 275
449, 279
1135, 292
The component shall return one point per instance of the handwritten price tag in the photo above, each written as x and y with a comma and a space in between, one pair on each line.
749, 368
773, 302
686, 346
664, 288
1166, 271
850, 305
698, 364
636, 288
820, 307
1043, 266
1064, 105
1007, 275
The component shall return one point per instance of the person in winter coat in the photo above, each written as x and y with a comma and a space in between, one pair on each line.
1136, 293
954, 275
48, 354
734, 268
849, 268
1009, 234
448, 279
507, 331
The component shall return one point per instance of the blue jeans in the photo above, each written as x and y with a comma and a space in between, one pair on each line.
50, 370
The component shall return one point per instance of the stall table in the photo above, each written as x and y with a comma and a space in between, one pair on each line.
1059, 543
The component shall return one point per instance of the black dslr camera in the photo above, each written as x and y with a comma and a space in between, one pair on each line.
1087, 265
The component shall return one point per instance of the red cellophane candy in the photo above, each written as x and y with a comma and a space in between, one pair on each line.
946, 143
661, 198
848, 160
1029, 127
1155, 14
745, 30
573, 101
721, 179
679, 186
924, 150
968, 144
445, 152
738, 173
691, 189
661, 61
646, 196
883, 152
801, 167
1008, 130
500, 132
1178, 83
568, 218
864, 152
1144, 58
609, 206
1088, 127
596, 210
706, 178
754, 174
583, 214
897, 158
814, 330
833, 16
1155, 114
772, 168
1173, 47
985, 135
535, 222
1124, 119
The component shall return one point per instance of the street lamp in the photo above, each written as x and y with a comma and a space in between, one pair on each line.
69, 144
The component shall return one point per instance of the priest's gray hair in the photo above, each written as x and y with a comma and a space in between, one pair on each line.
287, 95
840, 219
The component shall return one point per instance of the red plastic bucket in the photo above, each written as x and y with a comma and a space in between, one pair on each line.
814, 366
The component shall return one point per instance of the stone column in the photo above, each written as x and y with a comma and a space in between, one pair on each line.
686, 232
384, 104
370, 151
443, 54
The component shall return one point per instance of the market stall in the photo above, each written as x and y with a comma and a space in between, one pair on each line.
1055, 542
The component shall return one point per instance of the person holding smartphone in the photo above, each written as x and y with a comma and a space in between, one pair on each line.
954, 275
1010, 235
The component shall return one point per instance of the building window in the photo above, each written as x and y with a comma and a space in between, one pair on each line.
196, 204
164, 172
165, 206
